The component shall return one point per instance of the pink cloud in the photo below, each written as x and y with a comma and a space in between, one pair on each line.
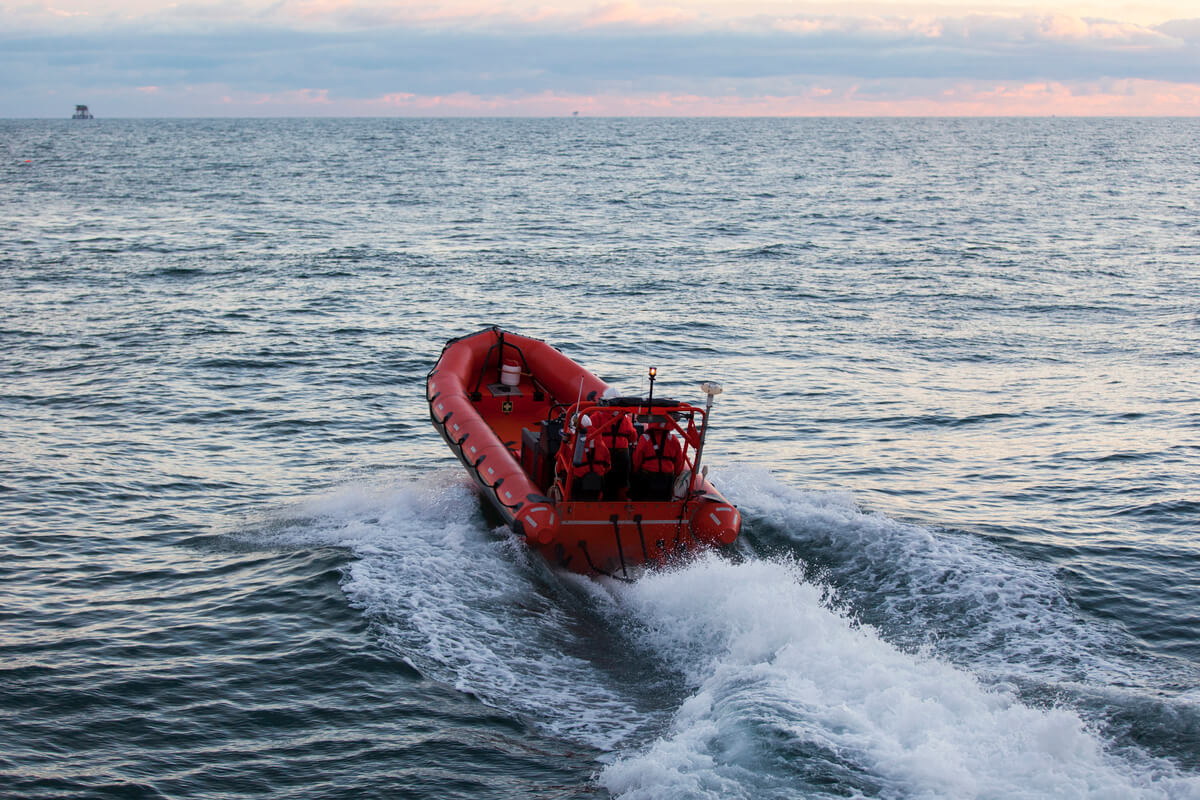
629, 13
321, 8
872, 26
478, 13
288, 102
1068, 28
1126, 97
1034, 98
990, 27
353, 14
820, 97
301, 97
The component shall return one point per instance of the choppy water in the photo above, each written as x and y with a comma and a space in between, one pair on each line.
961, 419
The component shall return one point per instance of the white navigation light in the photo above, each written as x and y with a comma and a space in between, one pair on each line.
711, 388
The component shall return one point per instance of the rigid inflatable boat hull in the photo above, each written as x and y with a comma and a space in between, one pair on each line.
495, 420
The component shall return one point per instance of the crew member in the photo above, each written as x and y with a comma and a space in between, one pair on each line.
590, 463
657, 460
616, 429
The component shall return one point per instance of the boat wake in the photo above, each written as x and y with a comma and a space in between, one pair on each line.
790, 695
470, 608
961, 597
751, 677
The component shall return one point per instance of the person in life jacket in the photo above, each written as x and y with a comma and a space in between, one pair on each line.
590, 463
657, 460
616, 429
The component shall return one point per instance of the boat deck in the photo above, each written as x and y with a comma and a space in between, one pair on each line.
507, 411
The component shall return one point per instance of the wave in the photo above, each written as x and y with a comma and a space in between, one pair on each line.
469, 608
962, 596
789, 697
751, 677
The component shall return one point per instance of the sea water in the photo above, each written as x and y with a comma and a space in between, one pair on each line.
961, 419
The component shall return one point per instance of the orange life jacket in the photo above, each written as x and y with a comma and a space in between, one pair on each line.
658, 451
596, 458
618, 434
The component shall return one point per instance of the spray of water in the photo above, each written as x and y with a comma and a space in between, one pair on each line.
770, 690
466, 606
775, 673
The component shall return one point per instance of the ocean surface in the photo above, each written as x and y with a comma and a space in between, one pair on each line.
961, 418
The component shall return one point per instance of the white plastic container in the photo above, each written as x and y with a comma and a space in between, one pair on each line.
510, 374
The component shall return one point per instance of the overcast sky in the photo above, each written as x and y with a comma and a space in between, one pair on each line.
401, 58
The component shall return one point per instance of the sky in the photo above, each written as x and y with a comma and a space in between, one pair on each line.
280, 58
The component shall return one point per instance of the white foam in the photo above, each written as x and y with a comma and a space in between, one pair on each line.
772, 668
961, 596
461, 604
777, 686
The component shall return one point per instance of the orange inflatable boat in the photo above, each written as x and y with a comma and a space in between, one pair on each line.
597, 483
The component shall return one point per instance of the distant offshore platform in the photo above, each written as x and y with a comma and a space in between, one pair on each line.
81, 112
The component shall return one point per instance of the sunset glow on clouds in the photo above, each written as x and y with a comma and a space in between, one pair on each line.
466, 58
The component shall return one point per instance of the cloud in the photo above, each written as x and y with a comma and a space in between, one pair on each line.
1061, 29
302, 98
997, 30
1185, 30
866, 27
632, 14
805, 97
546, 59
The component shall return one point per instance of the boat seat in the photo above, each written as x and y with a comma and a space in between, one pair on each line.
529, 451
588, 486
501, 390
652, 486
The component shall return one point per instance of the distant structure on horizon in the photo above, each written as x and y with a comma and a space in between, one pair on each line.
81, 112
